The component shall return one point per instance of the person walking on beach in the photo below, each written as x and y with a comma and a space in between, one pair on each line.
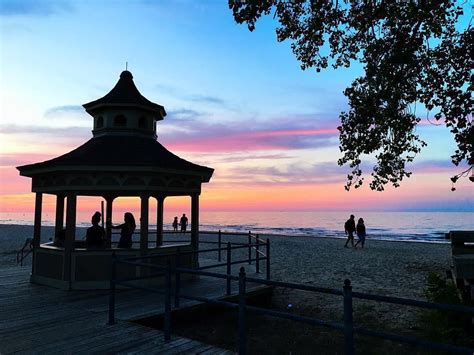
95, 236
360, 229
126, 230
349, 229
184, 223
175, 224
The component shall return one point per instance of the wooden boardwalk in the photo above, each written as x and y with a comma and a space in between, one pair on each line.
40, 319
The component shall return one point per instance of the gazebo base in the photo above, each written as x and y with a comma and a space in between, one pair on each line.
90, 269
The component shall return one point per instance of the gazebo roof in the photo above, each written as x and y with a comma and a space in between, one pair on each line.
115, 152
125, 93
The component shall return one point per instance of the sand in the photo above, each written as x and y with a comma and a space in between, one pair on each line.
382, 268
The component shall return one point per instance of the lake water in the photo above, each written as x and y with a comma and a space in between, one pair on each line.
410, 226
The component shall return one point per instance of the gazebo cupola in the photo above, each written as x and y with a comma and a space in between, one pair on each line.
124, 111
123, 158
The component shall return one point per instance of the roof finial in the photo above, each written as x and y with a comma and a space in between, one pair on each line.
126, 65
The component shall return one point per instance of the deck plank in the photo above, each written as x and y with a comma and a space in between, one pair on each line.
39, 319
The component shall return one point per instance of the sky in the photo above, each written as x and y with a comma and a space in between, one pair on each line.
237, 101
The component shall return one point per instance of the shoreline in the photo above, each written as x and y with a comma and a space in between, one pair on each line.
370, 237
303, 257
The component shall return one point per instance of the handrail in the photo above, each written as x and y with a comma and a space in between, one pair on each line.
347, 327
256, 237
21, 255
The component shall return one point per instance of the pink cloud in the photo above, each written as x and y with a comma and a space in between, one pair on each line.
253, 140
18, 159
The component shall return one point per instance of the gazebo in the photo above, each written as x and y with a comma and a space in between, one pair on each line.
123, 158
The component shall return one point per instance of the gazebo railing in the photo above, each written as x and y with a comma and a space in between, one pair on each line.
24, 251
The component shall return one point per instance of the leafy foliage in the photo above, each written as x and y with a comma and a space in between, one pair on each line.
443, 325
412, 54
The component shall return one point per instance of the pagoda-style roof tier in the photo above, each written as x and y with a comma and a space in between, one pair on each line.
126, 94
112, 163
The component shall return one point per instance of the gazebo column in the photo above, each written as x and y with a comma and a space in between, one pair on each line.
144, 224
108, 218
37, 225
195, 221
70, 234
59, 214
159, 220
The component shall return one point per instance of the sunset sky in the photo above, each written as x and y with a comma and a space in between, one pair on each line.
236, 101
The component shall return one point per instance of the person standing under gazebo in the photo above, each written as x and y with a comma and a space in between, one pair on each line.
95, 237
184, 223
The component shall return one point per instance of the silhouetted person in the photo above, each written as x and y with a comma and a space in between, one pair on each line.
184, 223
60, 238
349, 229
360, 233
126, 230
175, 224
95, 236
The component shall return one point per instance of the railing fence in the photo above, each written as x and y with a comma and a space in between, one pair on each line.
348, 327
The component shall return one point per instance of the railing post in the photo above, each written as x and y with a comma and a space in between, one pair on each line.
268, 259
229, 265
177, 278
112, 290
257, 254
219, 241
250, 247
167, 320
348, 320
242, 321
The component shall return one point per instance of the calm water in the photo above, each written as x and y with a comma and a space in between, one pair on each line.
412, 226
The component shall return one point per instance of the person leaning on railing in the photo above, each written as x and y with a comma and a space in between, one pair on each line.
126, 230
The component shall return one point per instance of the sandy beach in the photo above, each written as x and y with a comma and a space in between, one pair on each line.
382, 268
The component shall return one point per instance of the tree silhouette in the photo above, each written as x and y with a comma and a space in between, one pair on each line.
412, 54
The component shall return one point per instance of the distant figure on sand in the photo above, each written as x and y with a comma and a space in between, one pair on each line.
184, 223
360, 233
95, 236
175, 224
349, 229
126, 230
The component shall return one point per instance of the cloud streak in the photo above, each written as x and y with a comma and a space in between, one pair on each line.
184, 114
207, 99
292, 174
37, 130
13, 160
193, 135
218, 139
181, 94
59, 111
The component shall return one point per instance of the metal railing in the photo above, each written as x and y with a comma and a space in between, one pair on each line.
25, 250
348, 328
